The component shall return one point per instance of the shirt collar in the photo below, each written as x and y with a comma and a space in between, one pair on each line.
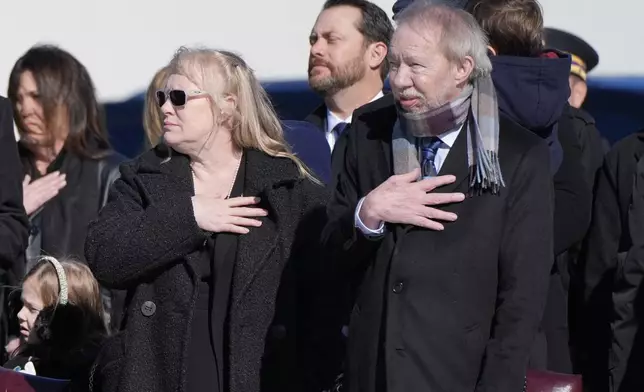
449, 137
332, 120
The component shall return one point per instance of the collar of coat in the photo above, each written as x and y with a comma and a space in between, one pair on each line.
263, 171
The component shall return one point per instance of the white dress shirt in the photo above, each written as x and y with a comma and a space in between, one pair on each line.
447, 141
332, 120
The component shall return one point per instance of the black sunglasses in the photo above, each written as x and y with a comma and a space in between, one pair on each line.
177, 97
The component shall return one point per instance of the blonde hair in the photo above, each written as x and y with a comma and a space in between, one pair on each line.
83, 289
152, 114
254, 123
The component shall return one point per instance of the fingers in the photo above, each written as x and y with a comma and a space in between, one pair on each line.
248, 211
239, 221
436, 214
51, 180
429, 184
410, 177
40, 191
427, 223
230, 228
242, 201
26, 181
435, 199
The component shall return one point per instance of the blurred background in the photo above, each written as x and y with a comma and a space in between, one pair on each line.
124, 42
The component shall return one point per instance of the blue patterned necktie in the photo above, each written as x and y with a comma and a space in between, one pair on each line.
338, 129
428, 148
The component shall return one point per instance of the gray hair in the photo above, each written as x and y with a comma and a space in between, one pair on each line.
460, 34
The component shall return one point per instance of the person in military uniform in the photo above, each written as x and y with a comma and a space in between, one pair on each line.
583, 60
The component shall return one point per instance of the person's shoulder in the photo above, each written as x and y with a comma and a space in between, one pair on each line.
149, 160
384, 105
374, 120
113, 159
579, 115
317, 117
301, 131
630, 146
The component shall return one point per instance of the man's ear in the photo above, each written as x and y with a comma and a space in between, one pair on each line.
376, 54
463, 70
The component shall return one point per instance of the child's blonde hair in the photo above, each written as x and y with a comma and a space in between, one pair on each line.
83, 289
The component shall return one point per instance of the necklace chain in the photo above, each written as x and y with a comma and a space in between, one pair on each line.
232, 184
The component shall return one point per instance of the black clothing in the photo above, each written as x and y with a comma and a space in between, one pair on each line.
64, 344
207, 356
147, 241
13, 220
59, 227
534, 92
605, 251
627, 349
455, 310
593, 146
14, 225
318, 118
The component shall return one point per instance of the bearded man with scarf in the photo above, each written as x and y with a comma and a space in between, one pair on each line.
451, 296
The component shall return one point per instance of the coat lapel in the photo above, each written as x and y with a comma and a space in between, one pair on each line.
176, 169
456, 163
176, 177
318, 117
268, 178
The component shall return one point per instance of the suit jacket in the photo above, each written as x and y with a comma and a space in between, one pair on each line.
446, 311
147, 241
305, 139
627, 349
318, 118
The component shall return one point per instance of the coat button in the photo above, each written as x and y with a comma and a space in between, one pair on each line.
148, 308
33, 230
398, 287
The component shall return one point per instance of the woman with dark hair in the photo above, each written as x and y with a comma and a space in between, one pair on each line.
68, 165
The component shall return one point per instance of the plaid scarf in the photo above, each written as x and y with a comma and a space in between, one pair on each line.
482, 134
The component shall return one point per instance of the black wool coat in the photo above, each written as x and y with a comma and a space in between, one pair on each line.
452, 310
147, 241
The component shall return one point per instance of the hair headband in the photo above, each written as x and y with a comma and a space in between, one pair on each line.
62, 279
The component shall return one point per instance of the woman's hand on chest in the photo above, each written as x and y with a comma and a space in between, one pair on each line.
234, 215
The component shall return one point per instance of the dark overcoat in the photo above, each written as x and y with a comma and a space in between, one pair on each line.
147, 241
452, 310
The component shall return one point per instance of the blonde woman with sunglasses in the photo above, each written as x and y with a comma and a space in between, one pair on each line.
214, 235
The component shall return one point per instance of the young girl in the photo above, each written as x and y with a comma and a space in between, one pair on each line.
61, 322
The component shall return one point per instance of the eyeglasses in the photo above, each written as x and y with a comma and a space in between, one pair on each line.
177, 97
